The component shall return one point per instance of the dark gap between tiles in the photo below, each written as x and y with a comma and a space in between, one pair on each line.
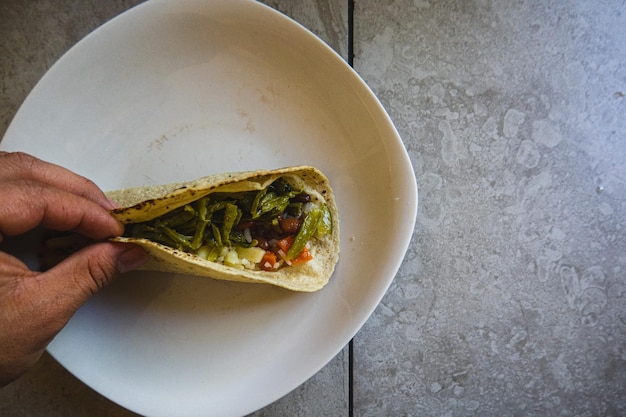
350, 379
350, 32
351, 343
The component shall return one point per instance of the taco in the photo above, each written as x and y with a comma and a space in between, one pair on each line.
277, 227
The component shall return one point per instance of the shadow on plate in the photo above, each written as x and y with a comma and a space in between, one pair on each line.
178, 294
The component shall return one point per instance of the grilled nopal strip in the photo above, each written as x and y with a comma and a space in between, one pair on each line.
211, 226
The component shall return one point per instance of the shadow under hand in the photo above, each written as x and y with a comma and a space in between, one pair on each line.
179, 294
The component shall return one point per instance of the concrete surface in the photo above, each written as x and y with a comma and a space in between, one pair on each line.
512, 297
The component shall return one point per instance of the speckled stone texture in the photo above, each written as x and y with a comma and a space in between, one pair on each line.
512, 297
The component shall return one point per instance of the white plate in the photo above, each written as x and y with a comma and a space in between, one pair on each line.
174, 90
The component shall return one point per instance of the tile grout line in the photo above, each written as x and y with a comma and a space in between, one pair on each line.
350, 378
351, 32
351, 343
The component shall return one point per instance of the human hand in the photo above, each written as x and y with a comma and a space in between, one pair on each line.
34, 306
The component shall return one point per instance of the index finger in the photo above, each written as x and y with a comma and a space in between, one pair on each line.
28, 204
19, 165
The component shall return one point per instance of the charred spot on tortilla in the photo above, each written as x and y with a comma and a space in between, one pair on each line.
279, 226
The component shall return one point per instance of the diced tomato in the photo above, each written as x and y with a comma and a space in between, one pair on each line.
268, 261
285, 243
303, 257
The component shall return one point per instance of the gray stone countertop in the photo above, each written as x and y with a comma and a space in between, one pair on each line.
511, 300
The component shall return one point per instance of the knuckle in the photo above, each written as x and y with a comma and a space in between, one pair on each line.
17, 165
101, 271
21, 159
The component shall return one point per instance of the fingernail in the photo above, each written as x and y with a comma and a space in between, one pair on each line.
112, 204
131, 259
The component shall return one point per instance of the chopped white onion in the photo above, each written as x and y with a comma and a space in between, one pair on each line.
283, 255
307, 207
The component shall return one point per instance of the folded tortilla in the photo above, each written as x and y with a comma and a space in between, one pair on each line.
141, 204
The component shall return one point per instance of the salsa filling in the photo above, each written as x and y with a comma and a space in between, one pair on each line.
265, 229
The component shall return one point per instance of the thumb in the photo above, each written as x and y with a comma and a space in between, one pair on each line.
73, 281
